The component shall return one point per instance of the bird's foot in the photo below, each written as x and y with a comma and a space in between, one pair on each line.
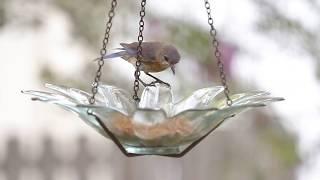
160, 82
147, 84
157, 80
143, 83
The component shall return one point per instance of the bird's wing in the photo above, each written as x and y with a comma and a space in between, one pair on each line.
130, 48
125, 52
149, 49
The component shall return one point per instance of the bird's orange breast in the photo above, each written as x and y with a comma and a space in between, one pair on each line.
149, 66
154, 66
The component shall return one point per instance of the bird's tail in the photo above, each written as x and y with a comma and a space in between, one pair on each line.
113, 55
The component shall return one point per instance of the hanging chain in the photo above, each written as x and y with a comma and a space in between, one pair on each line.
139, 51
217, 53
103, 52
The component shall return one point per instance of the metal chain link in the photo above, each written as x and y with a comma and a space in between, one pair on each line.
103, 52
139, 52
217, 53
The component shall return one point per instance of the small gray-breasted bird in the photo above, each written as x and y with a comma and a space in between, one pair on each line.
156, 56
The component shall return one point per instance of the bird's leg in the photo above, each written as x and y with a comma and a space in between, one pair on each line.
143, 83
157, 80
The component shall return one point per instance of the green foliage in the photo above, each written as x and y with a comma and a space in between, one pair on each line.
87, 18
282, 145
3, 4
190, 38
48, 75
275, 22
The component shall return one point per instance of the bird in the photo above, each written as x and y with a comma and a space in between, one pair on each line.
156, 57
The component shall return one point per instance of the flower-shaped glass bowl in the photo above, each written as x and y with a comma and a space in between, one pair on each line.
156, 125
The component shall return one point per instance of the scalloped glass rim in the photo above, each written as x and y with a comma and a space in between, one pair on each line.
156, 125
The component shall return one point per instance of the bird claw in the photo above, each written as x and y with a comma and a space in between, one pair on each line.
157, 81
160, 82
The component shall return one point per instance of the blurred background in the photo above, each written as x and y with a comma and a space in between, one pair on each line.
267, 45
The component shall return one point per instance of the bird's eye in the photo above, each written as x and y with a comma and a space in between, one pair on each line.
166, 58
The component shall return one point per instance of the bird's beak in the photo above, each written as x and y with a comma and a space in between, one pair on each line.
173, 69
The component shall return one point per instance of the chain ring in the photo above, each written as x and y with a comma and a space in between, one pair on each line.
103, 52
137, 72
217, 54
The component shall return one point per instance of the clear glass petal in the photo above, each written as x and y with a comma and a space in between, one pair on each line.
50, 97
258, 98
66, 102
117, 99
238, 98
200, 99
248, 98
156, 97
